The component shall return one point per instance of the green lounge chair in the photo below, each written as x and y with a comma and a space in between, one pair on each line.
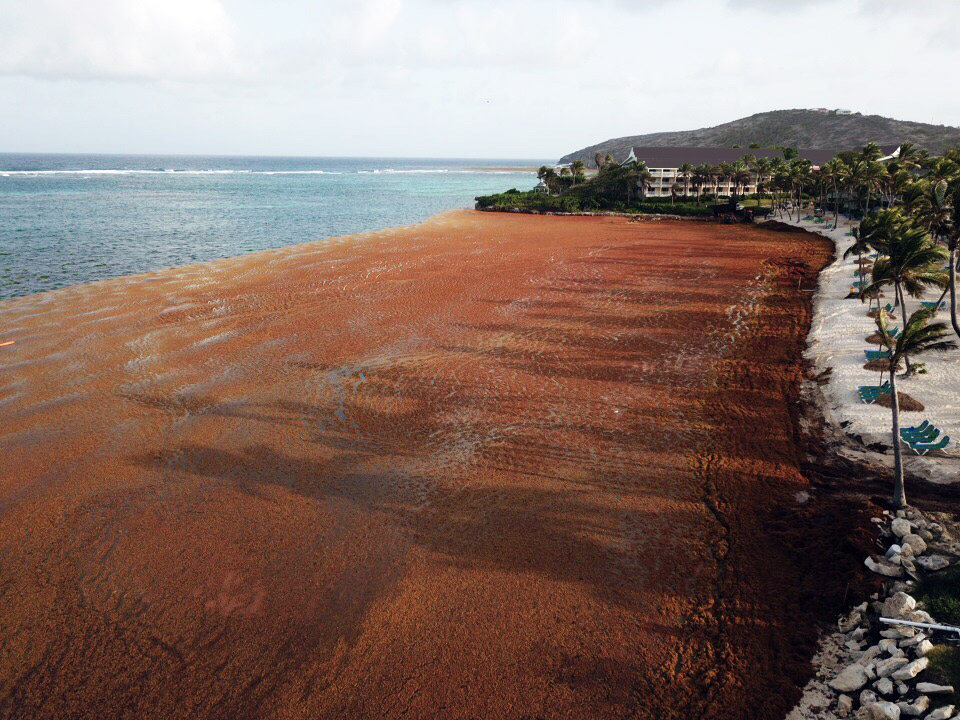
924, 448
934, 305
877, 354
925, 436
870, 393
890, 309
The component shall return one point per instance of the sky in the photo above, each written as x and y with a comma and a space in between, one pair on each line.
451, 78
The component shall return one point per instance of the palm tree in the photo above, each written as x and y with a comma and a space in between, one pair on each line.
871, 152
598, 159
835, 172
577, 167
919, 336
701, 177
550, 178
799, 177
713, 177
861, 245
740, 175
953, 240
724, 172
909, 156
644, 178
913, 198
761, 167
686, 171
778, 171
674, 189
910, 260
943, 169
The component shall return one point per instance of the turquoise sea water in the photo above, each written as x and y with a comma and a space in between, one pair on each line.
70, 219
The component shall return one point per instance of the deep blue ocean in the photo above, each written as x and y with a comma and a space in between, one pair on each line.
70, 219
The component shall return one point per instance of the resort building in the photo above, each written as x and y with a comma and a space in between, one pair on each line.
664, 164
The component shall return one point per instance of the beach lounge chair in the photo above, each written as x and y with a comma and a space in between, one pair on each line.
869, 393
934, 306
926, 436
924, 448
917, 431
860, 283
876, 354
890, 309
916, 428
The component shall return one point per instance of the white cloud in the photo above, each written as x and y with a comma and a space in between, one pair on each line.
118, 39
451, 77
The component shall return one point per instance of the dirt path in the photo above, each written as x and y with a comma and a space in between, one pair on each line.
489, 466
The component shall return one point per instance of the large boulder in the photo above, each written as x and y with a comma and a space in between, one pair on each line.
911, 670
924, 647
898, 605
942, 713
932, 563
890, 665
852, 678
915, 709
915, 543
884, 710
926, 688
901, 527
883, 568
884, 686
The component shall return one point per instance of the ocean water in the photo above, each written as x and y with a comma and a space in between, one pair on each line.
70, 219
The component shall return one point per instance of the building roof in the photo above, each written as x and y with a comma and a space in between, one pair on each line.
672, 157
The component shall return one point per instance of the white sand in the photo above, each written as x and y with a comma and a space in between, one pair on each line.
837, 341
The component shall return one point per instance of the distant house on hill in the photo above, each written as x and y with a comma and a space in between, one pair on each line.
843, 111
664, 163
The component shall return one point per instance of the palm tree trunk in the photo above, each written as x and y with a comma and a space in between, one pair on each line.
836, 206
899, 492
898, 292
953, 288
860, 270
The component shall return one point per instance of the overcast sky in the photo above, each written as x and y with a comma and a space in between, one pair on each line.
451, 78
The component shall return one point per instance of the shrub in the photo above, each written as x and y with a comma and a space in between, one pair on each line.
941, 595
945, 670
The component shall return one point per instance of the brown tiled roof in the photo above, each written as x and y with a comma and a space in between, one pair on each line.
671, 157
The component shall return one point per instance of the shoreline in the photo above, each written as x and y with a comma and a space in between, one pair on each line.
836, 348
578, 438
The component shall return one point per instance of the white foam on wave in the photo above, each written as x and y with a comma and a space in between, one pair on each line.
169, 171
121, 171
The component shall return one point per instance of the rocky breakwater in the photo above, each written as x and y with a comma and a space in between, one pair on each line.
872, 669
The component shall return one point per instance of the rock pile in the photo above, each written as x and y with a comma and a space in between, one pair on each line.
871, 670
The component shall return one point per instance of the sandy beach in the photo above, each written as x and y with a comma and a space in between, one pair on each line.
488, 466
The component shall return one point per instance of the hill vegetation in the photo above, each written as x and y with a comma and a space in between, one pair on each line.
786, 128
